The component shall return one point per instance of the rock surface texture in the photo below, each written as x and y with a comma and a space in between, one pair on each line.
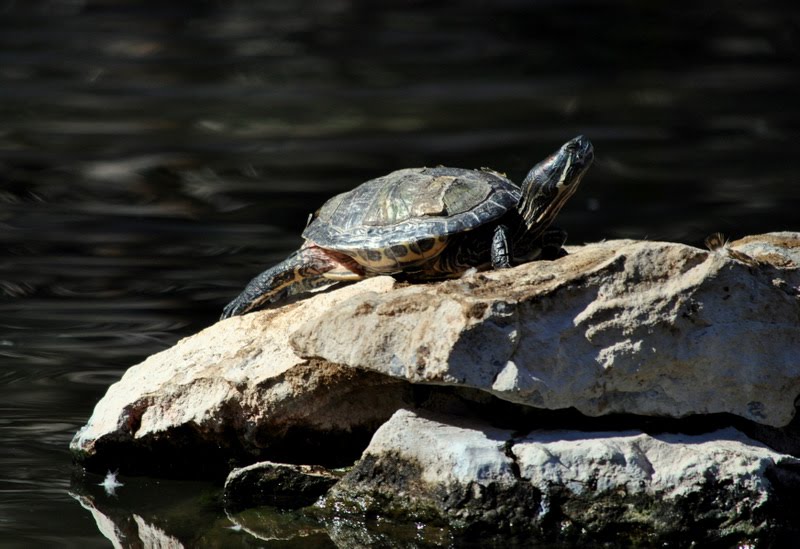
623, 332
645, 328
233, 392
277, 484
565, 484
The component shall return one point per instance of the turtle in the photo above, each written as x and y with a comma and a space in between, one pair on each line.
424, 224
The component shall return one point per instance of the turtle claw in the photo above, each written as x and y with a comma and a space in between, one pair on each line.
250, 299
234, 308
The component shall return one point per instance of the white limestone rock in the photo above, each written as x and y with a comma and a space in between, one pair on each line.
237, 391
648, 328
781, 249
569, 485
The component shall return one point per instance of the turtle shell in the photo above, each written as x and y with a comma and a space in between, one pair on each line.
407, 216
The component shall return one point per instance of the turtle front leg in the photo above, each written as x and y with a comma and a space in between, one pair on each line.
553, 240
547, 246
501, 249
303, 271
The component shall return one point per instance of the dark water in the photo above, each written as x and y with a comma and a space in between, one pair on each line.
156, 155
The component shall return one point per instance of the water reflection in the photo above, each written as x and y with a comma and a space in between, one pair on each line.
181, 514
188, 514
155, 156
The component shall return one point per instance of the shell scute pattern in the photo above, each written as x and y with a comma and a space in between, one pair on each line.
415, 208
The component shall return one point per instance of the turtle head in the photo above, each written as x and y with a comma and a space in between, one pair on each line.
551, 182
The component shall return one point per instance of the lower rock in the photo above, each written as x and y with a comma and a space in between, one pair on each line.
277, 484
572, 486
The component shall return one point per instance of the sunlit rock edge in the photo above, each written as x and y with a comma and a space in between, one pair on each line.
618, 329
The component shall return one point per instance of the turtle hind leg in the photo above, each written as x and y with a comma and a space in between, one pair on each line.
295, 291
302, 271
